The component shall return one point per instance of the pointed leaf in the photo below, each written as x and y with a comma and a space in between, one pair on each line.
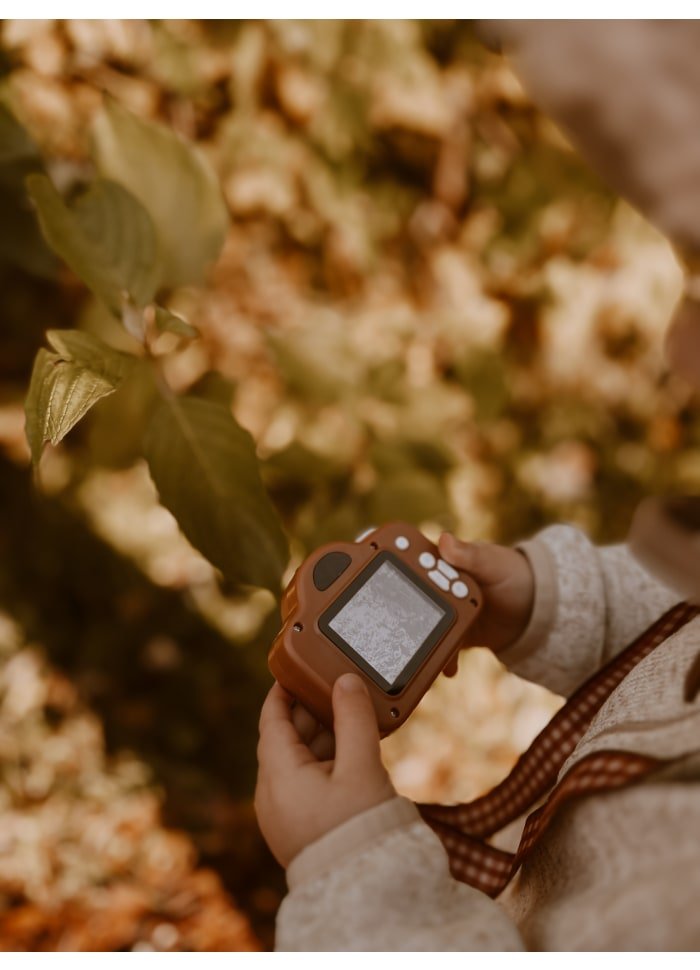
173, 181
167, 320
206, 471
35, 405
112, 218
88, 350
117, 427
106, 238
73, 392
65, 385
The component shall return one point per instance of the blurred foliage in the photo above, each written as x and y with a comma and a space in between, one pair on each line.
86, 860
203, 463
425, 307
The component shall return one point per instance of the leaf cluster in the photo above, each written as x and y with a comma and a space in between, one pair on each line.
122, 236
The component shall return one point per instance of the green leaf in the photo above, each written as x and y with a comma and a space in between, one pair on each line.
35, 405
166, 320
106, 238
173, 181
66, 384
206, 471
90, 351
117, 427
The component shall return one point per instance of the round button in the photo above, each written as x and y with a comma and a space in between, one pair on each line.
401, 542
427, 560
460, 590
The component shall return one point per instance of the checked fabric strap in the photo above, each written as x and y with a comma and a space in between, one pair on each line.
464, 829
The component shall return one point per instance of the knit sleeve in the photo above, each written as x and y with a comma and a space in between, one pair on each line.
381, 881
590, 602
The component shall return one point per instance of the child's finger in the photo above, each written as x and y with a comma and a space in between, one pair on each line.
483, 560
323, 746
306, 724
280, 746
355, 727
276, 709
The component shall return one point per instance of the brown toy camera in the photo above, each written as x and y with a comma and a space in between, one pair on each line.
385, 607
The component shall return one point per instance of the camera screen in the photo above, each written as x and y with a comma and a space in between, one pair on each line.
387, 621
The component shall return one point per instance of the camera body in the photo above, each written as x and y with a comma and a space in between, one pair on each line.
385, 607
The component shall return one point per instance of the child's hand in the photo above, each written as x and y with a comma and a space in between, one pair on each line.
300, 794
506, 580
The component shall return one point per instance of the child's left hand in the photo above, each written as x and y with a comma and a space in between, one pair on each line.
301, 794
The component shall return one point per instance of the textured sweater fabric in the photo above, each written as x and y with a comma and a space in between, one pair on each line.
615, 871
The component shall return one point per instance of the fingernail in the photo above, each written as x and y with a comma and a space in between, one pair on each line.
350, 683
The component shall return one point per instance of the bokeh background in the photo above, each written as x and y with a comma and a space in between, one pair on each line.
426, 307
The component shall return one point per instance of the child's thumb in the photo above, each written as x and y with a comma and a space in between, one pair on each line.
355, 727
484, 560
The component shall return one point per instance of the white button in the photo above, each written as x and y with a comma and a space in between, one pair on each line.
427, 560
363, 535
401, 542
439, 580
460, 590
448, 570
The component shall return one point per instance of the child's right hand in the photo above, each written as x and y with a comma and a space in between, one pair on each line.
508, 586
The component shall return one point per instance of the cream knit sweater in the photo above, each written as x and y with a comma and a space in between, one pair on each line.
617, 871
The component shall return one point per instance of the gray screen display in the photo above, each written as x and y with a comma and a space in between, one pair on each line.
387, 621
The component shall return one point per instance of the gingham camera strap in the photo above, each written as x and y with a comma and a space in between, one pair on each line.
464, 829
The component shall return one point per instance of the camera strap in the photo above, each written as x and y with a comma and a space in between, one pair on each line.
464, 829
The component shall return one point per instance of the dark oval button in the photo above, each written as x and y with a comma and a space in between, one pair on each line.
329, 568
